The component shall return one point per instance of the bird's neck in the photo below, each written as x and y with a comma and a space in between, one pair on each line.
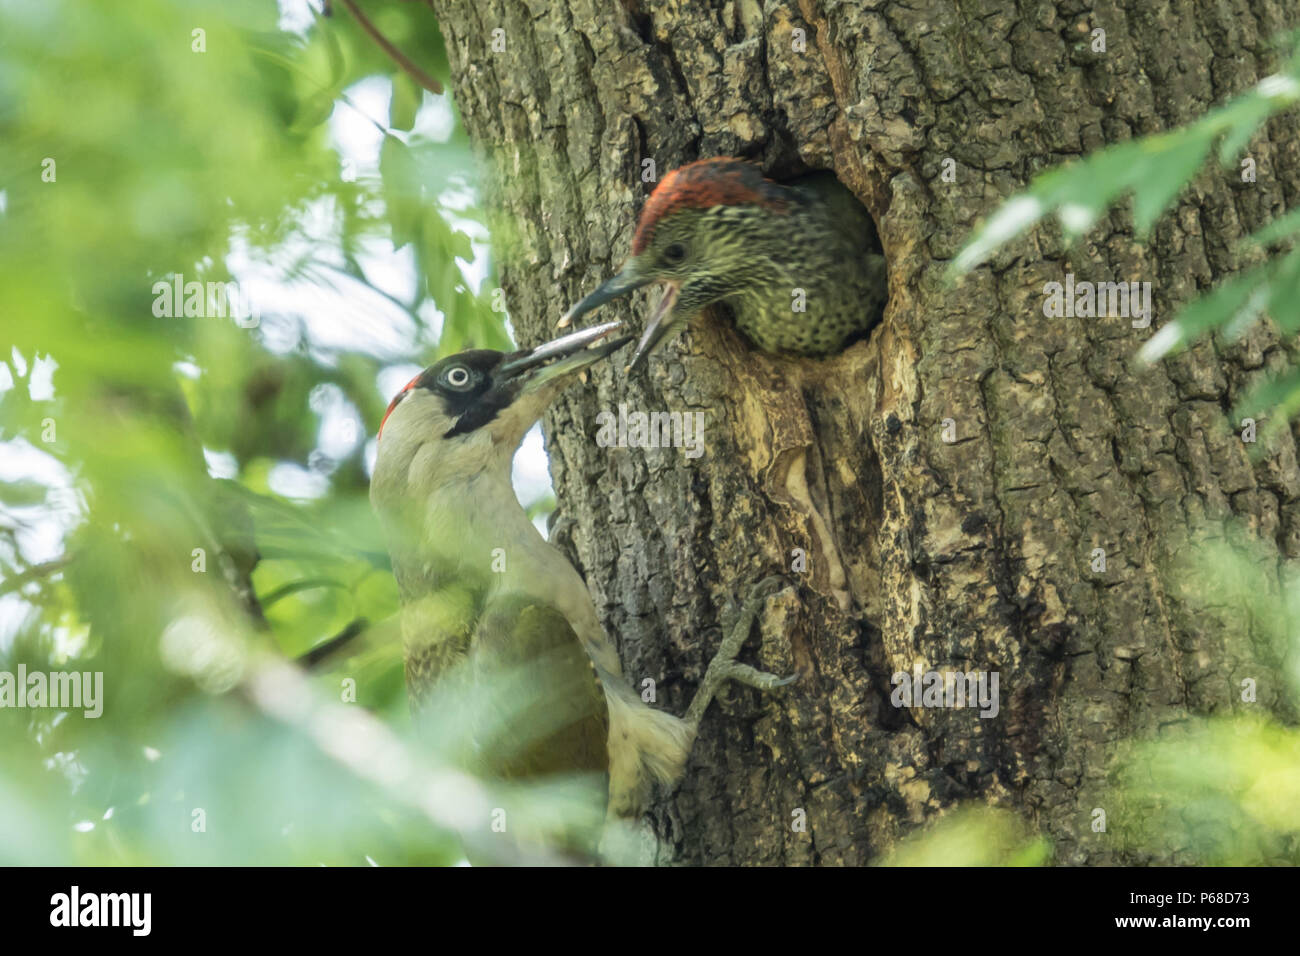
478, 520
450, 528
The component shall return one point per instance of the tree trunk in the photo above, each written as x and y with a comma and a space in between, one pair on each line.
971, 554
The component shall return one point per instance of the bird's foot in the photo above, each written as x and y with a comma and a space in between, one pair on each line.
737, 623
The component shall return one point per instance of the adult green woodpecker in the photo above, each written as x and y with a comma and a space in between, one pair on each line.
488, 603
793, 262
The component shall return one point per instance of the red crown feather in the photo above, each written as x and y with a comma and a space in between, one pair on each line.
703, 184
393, 404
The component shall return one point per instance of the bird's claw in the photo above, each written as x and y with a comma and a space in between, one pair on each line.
753, 677
737, 623
770, 585
732, 611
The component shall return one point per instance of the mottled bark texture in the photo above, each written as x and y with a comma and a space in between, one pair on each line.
970, 554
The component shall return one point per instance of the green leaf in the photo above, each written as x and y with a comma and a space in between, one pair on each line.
1275, 401
1244, 118
338, 66
1154, 169
312, 112
1283, 302
1208, 312
1014, 217
405, 102
1080, 193
1168, 162
403, 195
1283, 227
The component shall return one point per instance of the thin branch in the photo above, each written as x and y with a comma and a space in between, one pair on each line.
343, 97
327, 648
398, 57
35, 572
446, 796
302, 584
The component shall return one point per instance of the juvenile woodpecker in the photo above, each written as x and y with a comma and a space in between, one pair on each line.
792, 262
485, 597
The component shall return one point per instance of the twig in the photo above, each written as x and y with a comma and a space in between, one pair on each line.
321, 651
34, 572
447, 797
398, 57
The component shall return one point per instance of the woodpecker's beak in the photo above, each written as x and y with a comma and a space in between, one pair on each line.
629, 280
526, 382
534, 369
658, 325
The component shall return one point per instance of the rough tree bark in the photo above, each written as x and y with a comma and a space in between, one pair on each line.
971, 554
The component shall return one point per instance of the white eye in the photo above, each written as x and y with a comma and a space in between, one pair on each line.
458, 376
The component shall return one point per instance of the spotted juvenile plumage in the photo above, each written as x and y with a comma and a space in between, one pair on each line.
793, 262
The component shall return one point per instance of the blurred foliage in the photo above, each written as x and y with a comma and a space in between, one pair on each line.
183, 498
1221, 792
1218, 790
1154, 170
972, 836
1225, 789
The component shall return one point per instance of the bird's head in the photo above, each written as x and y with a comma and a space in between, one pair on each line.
468, 413
701, 236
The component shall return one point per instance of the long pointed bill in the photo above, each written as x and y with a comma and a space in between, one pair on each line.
562, 356
657, 326
621, 284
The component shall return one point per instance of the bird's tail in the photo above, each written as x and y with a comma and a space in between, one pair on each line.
646, 746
